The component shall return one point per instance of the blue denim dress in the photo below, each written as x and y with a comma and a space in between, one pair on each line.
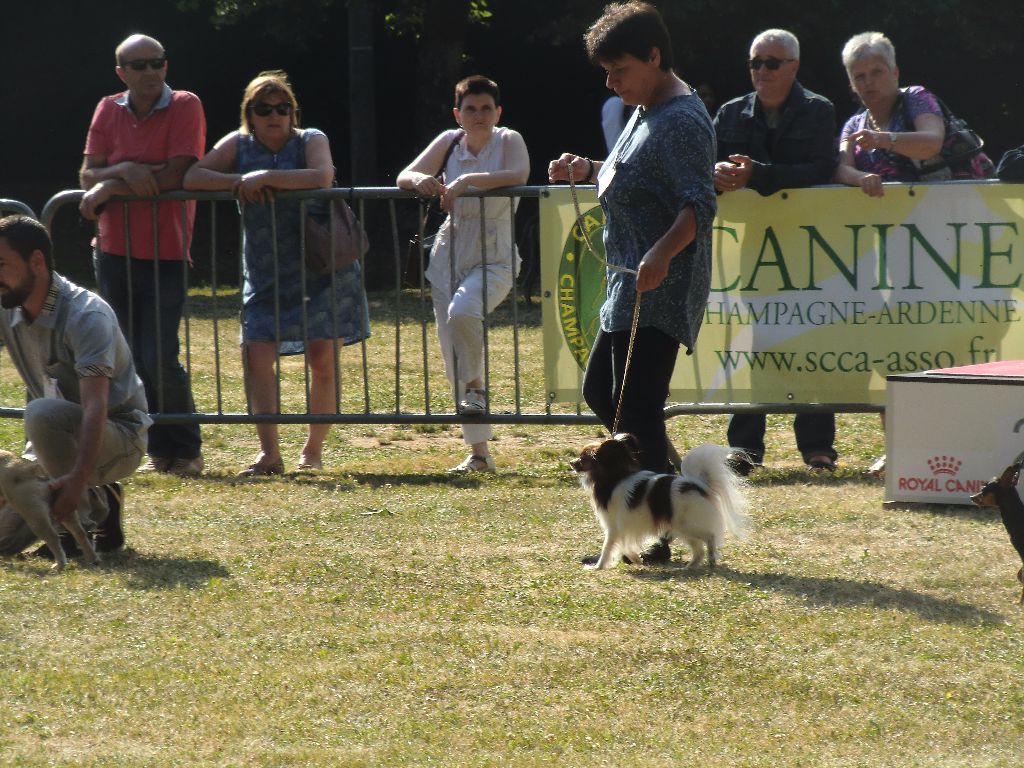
274, 305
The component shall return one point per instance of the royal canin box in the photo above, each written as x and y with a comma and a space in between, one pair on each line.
949, 431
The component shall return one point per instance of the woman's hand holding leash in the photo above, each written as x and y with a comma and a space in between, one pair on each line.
582, 168
567, 164
653, 270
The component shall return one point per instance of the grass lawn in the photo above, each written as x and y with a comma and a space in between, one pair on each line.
384, 613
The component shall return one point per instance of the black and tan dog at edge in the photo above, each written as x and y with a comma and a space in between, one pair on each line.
1001, 492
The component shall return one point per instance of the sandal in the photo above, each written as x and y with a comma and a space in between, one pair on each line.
821, 463
474, 463
262, 469
308, 462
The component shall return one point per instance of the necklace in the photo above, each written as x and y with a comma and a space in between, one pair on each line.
871, 123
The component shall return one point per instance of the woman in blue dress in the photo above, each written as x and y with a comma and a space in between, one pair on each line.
286, 309
658, 198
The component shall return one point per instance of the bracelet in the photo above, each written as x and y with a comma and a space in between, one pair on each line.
590, 170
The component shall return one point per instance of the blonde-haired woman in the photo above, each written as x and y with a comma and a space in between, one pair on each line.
270, 152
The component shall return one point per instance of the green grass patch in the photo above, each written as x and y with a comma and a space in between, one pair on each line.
383, 613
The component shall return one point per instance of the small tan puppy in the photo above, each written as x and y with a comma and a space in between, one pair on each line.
25, 487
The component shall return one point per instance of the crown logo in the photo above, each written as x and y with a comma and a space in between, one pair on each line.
944, 465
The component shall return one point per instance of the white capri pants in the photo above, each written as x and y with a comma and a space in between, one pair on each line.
460, 331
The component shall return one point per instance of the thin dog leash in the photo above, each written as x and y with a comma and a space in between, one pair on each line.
636, 305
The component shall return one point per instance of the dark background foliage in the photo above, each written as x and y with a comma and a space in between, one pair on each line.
58, 56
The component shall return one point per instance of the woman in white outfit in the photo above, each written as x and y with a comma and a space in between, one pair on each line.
478, 156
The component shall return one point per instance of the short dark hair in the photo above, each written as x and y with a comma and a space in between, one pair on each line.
476, 84
25, 235
631, 28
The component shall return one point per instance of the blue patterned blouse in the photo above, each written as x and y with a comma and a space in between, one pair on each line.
662, 162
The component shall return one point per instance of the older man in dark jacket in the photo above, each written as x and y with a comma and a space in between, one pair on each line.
779, 136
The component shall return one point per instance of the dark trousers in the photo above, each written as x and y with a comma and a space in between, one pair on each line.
815, 434
646, 387
150, 323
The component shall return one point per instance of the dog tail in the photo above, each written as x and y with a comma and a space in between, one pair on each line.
709, 463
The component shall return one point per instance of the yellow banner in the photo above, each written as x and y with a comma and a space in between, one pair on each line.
817, 294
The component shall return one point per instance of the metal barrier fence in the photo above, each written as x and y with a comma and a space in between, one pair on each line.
387, 378
8, 207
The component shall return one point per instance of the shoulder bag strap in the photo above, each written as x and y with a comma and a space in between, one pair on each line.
440, 171
447, 155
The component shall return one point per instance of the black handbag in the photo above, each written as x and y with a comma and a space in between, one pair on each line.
412, 275
1011, 165
959, 147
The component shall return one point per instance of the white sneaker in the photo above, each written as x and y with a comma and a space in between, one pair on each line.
474, 403
474, 463
877, 469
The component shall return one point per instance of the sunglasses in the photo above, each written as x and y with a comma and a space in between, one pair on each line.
263, 110
140, 64
771, 62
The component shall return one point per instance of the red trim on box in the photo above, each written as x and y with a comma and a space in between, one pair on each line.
999, 368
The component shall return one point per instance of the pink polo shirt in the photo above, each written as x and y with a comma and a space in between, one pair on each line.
176, 127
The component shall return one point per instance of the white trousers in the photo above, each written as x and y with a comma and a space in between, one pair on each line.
460, 331
52, 426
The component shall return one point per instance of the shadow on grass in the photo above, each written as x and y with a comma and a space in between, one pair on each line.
350, 481
805, 476
960, 512
147, 572
839, 592
379, 480
304, 479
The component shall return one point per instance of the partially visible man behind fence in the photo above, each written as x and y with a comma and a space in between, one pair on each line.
779, 136
141, 142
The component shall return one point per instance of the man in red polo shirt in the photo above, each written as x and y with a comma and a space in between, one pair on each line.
141, 142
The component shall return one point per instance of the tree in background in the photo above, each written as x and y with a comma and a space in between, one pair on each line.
438, 29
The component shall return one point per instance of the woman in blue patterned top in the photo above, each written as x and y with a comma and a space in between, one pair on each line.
286, 308
658, 198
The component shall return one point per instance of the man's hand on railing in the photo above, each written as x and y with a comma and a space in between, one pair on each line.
734, 174
93, 201
141, 177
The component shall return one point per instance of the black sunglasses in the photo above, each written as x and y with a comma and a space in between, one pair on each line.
771, 62
263, 110
140, 64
